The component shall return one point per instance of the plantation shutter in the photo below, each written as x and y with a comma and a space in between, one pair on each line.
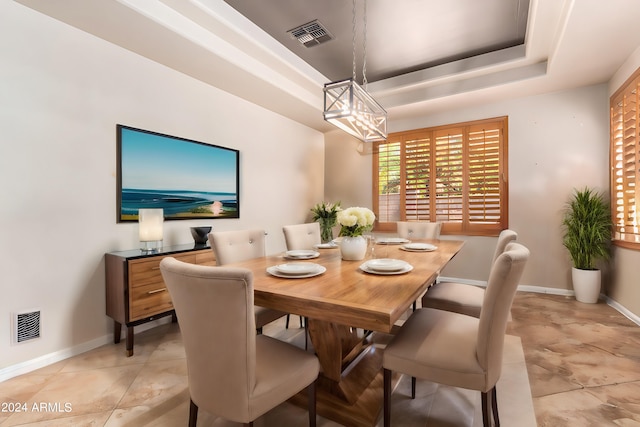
387, 191
449, 175
418, 171
452, 174
484, 174
625, 161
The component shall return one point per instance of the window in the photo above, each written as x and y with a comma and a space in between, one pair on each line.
456, 174
625, 162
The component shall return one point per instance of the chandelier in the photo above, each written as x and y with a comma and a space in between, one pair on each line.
349, 106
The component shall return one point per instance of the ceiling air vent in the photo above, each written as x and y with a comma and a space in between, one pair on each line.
311, 34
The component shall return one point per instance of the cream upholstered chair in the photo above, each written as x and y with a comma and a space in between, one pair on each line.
302, 236
232, 373
456, 349
460, 297
241, 245
418, 229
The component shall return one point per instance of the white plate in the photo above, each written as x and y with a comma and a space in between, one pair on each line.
297, 268
329, 245
275, 272
406, 269
386, 264
301, 254
391, 240
419, 247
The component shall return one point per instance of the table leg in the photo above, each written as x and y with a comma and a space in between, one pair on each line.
349, 388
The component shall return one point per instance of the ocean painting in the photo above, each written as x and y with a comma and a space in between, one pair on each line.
188, 179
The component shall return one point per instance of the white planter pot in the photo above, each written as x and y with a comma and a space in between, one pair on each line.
353, 248
586, 284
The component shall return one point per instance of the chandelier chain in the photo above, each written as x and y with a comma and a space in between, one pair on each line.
354, 39
364, 44
364, 48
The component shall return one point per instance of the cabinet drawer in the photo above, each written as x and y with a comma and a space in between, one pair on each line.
148, 300
147, 271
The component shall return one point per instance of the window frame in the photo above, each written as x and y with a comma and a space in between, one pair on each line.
619, 131
465, 226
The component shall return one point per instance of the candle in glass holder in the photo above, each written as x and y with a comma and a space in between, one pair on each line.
150, 223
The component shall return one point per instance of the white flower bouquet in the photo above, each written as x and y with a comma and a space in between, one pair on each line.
355, 221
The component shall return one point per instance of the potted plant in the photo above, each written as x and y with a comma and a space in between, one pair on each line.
353, 223
587, 237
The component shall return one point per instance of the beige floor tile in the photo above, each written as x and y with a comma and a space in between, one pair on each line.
157, 383
78, 393
173, 411
88, 420
580, 359
578, 408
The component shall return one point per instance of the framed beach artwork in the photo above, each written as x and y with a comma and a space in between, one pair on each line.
187, 179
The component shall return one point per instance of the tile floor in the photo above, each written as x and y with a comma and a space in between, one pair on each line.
583, 361
583, 364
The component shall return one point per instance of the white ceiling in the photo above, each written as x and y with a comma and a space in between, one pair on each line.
567, 43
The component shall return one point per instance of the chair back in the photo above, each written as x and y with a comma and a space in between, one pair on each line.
501, 288
236, 246
418, 229
214, 306
302, 236
506, 236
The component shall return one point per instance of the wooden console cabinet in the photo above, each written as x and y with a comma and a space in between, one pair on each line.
136, 293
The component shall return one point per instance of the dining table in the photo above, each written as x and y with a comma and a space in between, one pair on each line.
347, 304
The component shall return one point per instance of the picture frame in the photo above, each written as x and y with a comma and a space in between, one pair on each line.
188, 179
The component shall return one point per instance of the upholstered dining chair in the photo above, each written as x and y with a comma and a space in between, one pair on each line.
455, 349
461, 297
418, 229
232, 372
302, 236
241, 245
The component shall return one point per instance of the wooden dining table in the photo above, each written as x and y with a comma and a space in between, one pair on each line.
340, 305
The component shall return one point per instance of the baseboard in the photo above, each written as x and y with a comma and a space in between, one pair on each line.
57, 356
552, 291
51, 358
622, 309
544, 290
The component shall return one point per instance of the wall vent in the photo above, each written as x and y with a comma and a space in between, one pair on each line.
311, 34
26, 326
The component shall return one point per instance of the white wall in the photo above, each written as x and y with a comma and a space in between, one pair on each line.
557, 142
62, 94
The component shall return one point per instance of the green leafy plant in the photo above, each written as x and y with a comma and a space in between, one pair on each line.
587, 229
326, 215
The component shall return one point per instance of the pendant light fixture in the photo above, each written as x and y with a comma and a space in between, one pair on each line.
349, 106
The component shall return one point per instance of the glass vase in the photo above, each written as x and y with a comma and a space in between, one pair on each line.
326, 229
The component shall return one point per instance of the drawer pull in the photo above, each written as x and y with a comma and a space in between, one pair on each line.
156, 291
155, 268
